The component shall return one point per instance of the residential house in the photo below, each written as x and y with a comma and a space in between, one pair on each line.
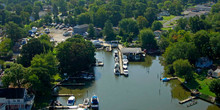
164, 13
216, 73
15, 99
80, 29
158, 33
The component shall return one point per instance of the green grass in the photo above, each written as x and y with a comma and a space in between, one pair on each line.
167, 29
204, 87
167, 18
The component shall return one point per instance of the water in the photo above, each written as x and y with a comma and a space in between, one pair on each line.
142, 90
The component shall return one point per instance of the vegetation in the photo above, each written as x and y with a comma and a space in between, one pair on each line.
215, 87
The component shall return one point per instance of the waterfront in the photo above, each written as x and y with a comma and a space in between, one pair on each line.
140, 91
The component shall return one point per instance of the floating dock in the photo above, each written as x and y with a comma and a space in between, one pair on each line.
120, 62
186, 100
62, 95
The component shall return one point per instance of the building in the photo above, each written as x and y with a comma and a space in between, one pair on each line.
132, 53
80, 29
15, 99
164, 13
216, 73
157, 33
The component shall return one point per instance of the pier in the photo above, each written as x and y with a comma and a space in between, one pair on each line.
120, 62
62, 95
70, 84
186, 100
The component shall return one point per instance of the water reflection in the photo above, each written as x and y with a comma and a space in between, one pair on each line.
147, 61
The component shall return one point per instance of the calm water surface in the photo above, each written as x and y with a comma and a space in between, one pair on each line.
142, 90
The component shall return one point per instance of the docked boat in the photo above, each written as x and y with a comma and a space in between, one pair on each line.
126, 72
94, 102
117, 65
117, 71
71, 101
86, 101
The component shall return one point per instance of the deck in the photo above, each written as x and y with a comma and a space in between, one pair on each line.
186, 100
120, 62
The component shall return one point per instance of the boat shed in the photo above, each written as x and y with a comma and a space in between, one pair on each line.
132, 53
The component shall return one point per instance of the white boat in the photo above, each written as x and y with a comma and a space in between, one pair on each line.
126, 72
116, 71
116, 59
125, 61
125, 66
94, 102
86, 101
71, 101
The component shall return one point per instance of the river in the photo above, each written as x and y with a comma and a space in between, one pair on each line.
141, 90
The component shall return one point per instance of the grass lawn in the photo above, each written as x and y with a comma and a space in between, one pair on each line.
167, 29
167, 18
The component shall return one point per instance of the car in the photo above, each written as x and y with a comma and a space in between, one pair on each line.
37, 34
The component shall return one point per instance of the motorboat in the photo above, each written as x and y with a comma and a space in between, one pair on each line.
86, 101
117, 71
94, 102
116, 65
125, 61
125, 66
126, 72
71, 101
116, 59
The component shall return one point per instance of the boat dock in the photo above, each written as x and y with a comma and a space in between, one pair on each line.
186, 100
71, 84
120, 62
62, 95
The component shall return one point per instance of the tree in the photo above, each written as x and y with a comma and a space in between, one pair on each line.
83, 18
14, 31
5, 47
147, 40
182, 23
156, 25
142, 22
35, 13
14, 75
201, 40
74, 55
183, 68
215, 87
129, 26
180, 50
32, 48
91, 31
150, 15
215, 45
55, 10
108, 31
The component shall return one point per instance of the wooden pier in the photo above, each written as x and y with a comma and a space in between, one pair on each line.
71, 84
186, 100
120, 62
62, 107
62, 95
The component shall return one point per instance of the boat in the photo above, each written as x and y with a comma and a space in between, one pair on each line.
116, 59
165, 79
125, 66
126, 72
116, 65
94, 102
71, 101
116, 71
86, 101
125, 61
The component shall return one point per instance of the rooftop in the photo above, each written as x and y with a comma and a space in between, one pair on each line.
131, 50
12, 93
81, 26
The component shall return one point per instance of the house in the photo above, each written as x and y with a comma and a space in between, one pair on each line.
164, 13
158, 33
15, 99
132, 53
216, 73
204, 62
48, 8
80, 29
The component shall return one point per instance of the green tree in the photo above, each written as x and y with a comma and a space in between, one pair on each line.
147, 40
156, 25
5, 47
32, 48
129, 26
180, 50
215, 46
14, 31
142, 22
15, 76
91, 31
74, 55
183, 68
55, 10
150, 15
83, 18
215, 87
108, 31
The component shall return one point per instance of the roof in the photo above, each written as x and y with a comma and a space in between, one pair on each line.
12, 93
131, 50
81, 26
217, 70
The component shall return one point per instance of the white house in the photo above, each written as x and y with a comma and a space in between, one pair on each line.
216, 73
15, 99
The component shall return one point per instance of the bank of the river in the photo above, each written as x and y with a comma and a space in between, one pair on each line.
142, 90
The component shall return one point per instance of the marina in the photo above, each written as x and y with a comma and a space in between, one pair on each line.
143, 86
